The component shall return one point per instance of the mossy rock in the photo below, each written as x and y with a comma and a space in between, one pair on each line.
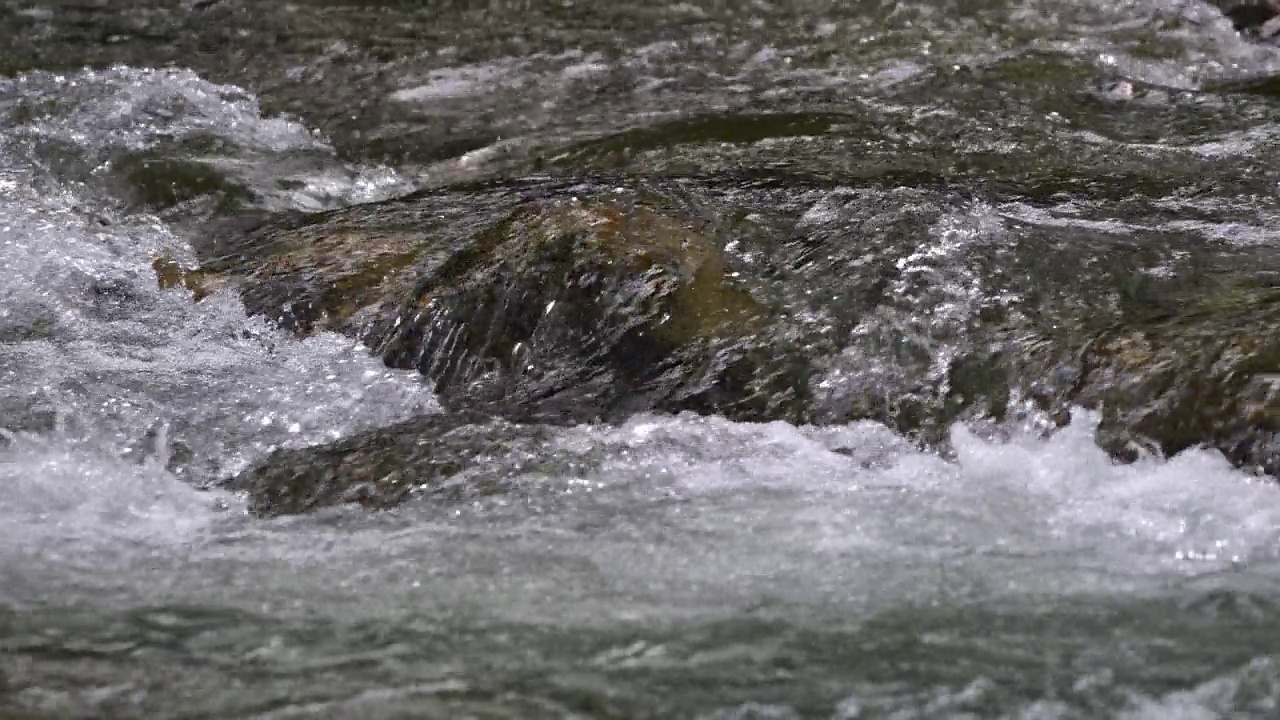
552, 301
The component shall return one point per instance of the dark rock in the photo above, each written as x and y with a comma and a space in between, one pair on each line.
24, 321
29, 414
450, 458
569, 301
1249, 15
542, 302
1208, 375
612, 304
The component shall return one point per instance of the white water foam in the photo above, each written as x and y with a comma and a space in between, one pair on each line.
90, 340
101, 113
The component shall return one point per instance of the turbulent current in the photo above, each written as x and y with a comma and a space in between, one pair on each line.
664, 565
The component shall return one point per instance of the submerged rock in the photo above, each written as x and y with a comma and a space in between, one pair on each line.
451, 458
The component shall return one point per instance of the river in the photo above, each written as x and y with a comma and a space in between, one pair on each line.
687, 566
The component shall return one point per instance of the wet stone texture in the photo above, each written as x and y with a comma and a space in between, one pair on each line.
1207, 376
554, 301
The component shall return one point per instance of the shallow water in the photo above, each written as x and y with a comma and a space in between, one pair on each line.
670, 566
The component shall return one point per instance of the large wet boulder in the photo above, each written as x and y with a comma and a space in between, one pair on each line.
542, 300
548, 302
609, 303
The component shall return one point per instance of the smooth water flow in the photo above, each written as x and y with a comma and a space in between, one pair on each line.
666, 567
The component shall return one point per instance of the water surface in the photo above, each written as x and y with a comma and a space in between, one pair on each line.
671, 566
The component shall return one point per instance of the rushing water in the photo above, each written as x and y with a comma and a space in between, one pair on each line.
687, 566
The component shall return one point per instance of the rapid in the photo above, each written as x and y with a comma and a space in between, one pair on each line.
667, 566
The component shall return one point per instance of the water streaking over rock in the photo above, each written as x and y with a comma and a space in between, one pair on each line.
547, 300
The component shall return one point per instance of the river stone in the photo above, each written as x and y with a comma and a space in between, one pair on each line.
1209, 376
575, 301
602, 306
551, 302
450, 458
1252, 16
